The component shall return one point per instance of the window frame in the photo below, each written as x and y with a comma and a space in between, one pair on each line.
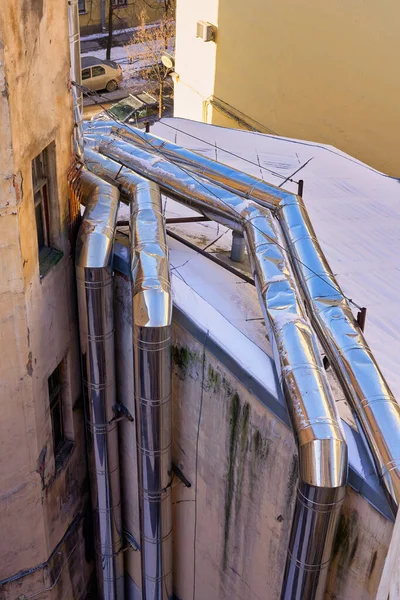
119, 3
56, 404
81, 10
99, 74
46, 208
40, 185
90, 73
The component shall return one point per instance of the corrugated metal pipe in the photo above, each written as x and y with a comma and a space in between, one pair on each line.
96, 328
152, 324
365, 387
318, 430
76, 74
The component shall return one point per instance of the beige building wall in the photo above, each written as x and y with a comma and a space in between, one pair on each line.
322, 71
124, 15
42, 509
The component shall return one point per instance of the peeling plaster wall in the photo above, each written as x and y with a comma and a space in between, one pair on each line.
38, 316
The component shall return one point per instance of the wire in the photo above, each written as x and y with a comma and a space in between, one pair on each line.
232, 153
196, 464
209, 191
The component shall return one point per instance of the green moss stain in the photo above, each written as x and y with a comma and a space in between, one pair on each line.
214, 379
230, 480
241, 459
346, 540
227, 386
259, 453
292, 481
183, 358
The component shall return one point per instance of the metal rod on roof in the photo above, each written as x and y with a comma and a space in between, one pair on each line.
211, 257
300, 188
176, 220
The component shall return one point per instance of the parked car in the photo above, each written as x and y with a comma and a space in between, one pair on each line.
98, 74
133, 110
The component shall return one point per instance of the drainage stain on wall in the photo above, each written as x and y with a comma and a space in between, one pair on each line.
230, 483
185, 361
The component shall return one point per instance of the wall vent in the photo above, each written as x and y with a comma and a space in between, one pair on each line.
205, 31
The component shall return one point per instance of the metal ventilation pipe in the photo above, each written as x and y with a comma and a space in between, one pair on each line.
76, 74
152, 328
96, 328
350, 356
318, 430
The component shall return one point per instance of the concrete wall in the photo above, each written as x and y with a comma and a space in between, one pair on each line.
38, 318
230, 537
123, 16
310, 70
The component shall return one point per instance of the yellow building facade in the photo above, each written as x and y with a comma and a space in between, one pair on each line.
311, 70
93, 14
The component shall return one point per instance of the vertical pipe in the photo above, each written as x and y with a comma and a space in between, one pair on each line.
152, 314
238, 250
96, 328
151, 318
313, 532
76, 74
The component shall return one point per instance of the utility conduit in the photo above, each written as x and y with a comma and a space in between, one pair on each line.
322, 448
352, 360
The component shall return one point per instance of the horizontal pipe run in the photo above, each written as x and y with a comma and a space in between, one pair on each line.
350, 356
268, 262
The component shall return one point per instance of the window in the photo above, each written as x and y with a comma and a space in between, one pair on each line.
81, 6
40, 195
120, 2
55, 385
86, 74
96, 71
46, 209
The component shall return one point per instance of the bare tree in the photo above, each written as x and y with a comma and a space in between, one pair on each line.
148, 45
110, 30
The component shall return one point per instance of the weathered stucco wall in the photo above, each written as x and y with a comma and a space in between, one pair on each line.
38, 317
318, 71
230, 538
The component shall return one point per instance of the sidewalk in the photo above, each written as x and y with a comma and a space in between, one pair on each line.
98, 41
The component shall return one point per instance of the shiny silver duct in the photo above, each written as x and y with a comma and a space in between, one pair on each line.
349, 354
318, 430
96, 326
152, 314
76, 74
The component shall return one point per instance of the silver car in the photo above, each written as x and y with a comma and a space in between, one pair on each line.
98, 74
